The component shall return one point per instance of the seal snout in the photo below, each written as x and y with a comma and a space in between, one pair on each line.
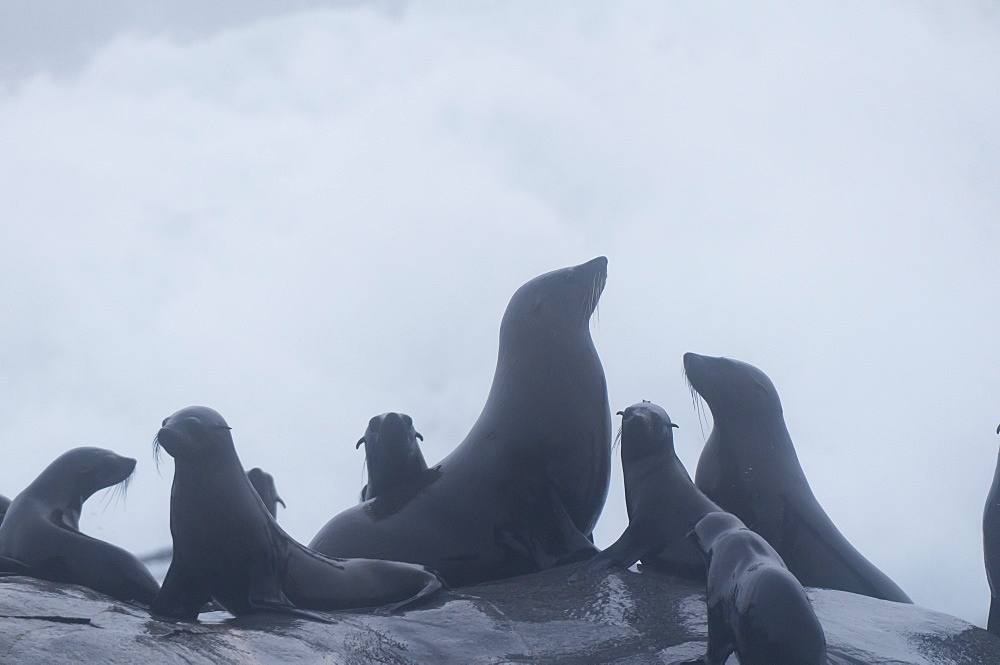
172, 440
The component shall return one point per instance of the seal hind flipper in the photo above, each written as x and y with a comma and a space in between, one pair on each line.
623, 553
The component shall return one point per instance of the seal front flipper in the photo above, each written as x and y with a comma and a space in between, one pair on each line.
623, 553
546, 535
182, 595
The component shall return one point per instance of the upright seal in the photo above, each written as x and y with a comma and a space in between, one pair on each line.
755, 606
524, 489
227, 546
991, 549
40, 535
392, 454
749, 467
663, 504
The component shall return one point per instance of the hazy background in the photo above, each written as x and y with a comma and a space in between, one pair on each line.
304, 214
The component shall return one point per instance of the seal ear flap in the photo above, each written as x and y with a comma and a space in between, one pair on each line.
675, 425
360, 441
419, 435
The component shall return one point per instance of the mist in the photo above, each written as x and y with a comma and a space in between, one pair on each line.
306, 216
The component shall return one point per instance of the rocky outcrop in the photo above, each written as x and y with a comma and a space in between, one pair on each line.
626, 617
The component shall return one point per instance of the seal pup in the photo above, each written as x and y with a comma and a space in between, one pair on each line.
40, 535
991, 549
392, 453
524, 489
227, 546
663, 504
263, 482
756, 607
749, 467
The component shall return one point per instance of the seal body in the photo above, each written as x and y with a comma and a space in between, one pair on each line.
227, 546
392, 454
663, 504
40, 534
756, 607
749, 468
263, 483
524, 489
991, 549
4, 505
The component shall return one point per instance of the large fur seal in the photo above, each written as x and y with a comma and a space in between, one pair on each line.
756, 607
524, 489
392, 453
40, 535
263, 482
991, 549
749, 467
663, 504
227, 546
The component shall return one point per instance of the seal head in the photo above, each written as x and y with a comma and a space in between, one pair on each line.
392, 454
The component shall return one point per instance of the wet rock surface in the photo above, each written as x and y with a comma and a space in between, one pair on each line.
626, 617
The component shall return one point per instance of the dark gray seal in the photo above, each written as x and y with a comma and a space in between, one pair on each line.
392, 454
991, 549
263, 482
756, 607
749, 467
227, 546
524, 489
663, 504
40, 535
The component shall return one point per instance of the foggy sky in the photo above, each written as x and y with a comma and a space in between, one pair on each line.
306, 215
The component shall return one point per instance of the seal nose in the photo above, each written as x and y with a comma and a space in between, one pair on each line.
392, 426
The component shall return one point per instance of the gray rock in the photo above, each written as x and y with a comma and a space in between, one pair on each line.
627, 617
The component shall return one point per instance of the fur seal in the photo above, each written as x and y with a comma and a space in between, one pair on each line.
749, 467
227, 546
756, 607
524, 489
663, 504
991, 549
40, 535
392, 453
263, 482
4, 505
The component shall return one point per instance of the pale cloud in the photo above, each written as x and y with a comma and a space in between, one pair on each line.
306, 219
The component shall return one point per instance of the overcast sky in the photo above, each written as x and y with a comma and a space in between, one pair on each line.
305, 214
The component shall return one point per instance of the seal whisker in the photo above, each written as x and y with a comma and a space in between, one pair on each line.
618, 438
697, 402
156, 453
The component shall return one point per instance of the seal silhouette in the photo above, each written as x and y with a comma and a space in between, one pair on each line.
227, 546
263, 483
756, 607
749, 468
392, 453
663, 504
40, 535
524, 489
991, 549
